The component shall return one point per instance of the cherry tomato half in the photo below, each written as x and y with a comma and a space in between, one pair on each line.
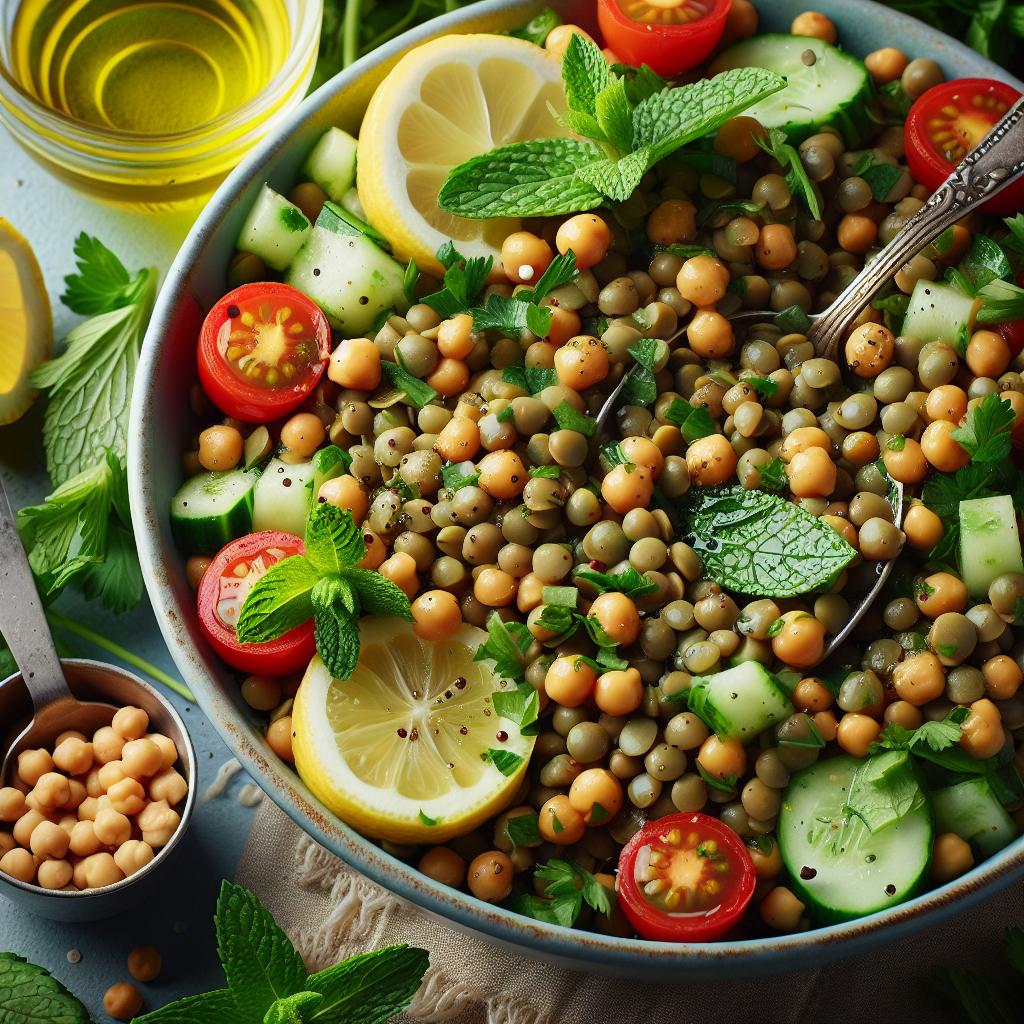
671, 36
222, 593
947, 122
262, 350
685, 878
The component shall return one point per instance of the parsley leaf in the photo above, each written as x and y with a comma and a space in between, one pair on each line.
520, 705
507, 644
1001, 301
417, 394
986, 434
102, 284
694, 423
463, 281
569, 886
629, 581
569, 418
531, 379
763, 386
90, 383
641, 387
506, 761
793, 320
985, 262
458, 474
523, 829
788, 158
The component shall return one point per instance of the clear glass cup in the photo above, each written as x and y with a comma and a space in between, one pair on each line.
156, 172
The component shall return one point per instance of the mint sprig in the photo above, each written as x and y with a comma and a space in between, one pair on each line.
325, 584
30, 995
627, 123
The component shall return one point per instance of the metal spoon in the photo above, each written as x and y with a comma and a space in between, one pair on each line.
996, 163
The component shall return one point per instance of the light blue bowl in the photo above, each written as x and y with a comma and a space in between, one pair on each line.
159, 433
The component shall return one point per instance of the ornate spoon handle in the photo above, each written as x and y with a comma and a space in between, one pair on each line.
989, 168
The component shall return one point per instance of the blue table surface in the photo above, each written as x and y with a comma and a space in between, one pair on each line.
179, 920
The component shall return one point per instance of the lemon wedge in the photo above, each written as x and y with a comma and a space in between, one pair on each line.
443, 103
26, 327
403, 750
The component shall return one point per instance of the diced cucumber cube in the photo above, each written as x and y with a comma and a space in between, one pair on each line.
275, 229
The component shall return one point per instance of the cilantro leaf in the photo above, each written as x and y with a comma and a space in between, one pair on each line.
641, 387
102, 283
569, 886
507, 644
986, 434
333, 540
377, 594
569, 418
370, 988
336, 625
694, 423
416, 393
31, 995
506, 761
260, 963
278, 601
788, 158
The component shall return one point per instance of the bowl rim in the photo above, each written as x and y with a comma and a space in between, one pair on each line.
163, 855
626, 956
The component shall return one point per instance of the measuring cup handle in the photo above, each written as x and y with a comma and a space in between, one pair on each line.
22, 619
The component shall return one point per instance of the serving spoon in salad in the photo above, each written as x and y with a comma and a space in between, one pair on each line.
995, 164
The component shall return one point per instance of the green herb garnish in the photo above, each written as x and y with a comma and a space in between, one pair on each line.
776, 146
464, 279
629, 581
569, 418
506, 646
523, 312
986, 434
531, 379
569, 886
416, 393
693, 423
774, 477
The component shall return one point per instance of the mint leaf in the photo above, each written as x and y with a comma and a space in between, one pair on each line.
640, 82
985, 262
668, 120
333, 540
417, 393
507, 644
525, 179
31, 995
102, 283
336, 625
377, 594
615, 115
293, 1009
618, 179
260, 963
370, 988
90, 383
278, 601
569, 418
585, 73
884, 789
217, 1007
692, 422
986, 434
762, 545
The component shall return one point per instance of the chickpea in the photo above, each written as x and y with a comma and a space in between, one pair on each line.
26, 825
857, 732
33, 765
703, 280
941, 449
588, 236
801, 640
141, 758
131, 857
436, 615
766, 865
54, 874
596, 794
100, 870
710, 335
776, 247
781, 910
502, 474
83, 841
856, 233
672, 221
711, 461
122, 1001
18, 864
722, 759
886, 65
812, 474
195, 570
1003, 677
569, 681
279, 738
939, 593
167, 748
494, 588
355, 364
169, 785
627, 486
905, 460
144, 963
737, 138
981, 733
107, 745
455, 337
619, 692
524, 257
303, 433
803, 439
345, 492
112, 827
450, 377
946, 402
49, 841
130, 723
870, 349
220, 448
581, 363
988, 354
810, 694
951, 857
641, 451
12, 804
919, 679
922, 527
158, 822
618, 616
127, 796
52, 790
560, 823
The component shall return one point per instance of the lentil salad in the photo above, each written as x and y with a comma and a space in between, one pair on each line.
590, 778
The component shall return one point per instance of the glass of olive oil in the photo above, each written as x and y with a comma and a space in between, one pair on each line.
149, 103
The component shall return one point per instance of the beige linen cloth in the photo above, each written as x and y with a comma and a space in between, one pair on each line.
330, 912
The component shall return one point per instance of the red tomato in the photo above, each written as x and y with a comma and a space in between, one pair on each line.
262, 350
706, 879
1013, 332
947, 122
222, 593
671, 36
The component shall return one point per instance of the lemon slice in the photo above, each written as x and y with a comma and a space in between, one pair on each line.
445, 102
26, 328
400, 750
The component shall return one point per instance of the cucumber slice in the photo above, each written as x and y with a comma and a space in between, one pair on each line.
343, 221
989, 542
275, 229
739, 703
970, 809
833, 92
852, 871
938, 312
349, 278
351, 203
332, 163
282, 497
211, 509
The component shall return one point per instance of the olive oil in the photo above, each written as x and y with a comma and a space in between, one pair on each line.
147, 67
